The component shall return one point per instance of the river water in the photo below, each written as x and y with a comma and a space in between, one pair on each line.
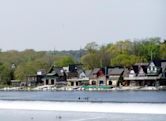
100, 96
82, 106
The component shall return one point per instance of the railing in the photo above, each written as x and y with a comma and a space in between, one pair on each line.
142, 78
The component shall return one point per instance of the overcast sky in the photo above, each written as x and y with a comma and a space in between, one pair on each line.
71, 24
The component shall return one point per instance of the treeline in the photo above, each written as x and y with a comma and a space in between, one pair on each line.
15, 65
123, 53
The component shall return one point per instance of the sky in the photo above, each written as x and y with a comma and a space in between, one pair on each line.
71, 24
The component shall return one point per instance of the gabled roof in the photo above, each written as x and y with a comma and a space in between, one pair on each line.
116, 71
141, 72
88, 73
158, 63
74, 67
126, 72
95, 71
163, 66
59, 71
56, 70
137, 68
79, 71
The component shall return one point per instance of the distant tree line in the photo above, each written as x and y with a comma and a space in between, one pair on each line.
123, 53
16, 65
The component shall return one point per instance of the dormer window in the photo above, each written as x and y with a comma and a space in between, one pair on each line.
148, 70
132, 73
154, 68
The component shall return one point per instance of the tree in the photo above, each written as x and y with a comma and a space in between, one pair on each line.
91, 60
163, 50
4, 74
64, 61
149, 48
125, 60
124, 47
29, 68
120, 47
91, 47
105, 56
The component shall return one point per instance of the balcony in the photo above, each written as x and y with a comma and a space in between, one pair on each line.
143, 78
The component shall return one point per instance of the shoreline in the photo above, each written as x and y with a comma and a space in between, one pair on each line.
53, 88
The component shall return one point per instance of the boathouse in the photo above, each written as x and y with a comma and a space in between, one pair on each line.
144, 74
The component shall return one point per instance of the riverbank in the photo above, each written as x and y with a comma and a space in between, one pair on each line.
54, 88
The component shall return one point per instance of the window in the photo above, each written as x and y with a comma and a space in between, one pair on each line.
72, 83
46, 81
52, 81
93, 82
110, 83
101, 82
77, 83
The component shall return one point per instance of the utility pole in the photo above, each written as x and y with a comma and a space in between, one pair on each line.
151, 55
80, 55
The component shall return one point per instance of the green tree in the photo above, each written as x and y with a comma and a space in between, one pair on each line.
163, 50
125, 60
120, 47
92, 57
150, 48
4, 74
64, 61
91, 60
105, 56
91, 47
29, 68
